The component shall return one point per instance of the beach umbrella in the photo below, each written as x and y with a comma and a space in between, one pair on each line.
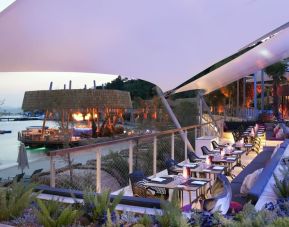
22, 158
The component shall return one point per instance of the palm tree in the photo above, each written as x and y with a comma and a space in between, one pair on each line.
276, 72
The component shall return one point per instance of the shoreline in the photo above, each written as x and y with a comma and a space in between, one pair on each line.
44, 161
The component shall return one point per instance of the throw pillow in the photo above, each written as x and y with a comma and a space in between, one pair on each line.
280, 134
249, 181
276, 129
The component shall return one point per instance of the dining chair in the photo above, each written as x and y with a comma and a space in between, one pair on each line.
171, 165
215, 144
193, 157
206, 151
139, 189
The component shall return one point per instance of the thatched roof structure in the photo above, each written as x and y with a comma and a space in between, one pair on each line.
76, 99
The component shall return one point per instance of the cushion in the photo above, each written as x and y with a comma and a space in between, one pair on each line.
217, 188
235, 207
280, 134
276, 129
252, 132
249, 181
187, 208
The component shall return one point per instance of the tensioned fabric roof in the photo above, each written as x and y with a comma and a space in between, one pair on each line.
166, 42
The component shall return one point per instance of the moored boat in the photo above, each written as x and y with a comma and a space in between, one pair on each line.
5, 131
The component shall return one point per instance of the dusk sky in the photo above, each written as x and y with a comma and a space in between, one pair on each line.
13, 85
165, 42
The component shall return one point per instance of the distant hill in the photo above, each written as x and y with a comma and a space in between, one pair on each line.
10, 109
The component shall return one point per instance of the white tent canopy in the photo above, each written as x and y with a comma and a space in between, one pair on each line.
165, 42
267, 53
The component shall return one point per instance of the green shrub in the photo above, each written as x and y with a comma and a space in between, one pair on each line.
98, 206
280, 222
145, 221
55, 214
250, 217
14, 199
282, 186
172, 215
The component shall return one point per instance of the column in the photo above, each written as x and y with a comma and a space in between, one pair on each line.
255, 94
262, 92
238, 98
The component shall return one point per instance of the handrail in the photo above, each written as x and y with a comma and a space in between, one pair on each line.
127, 139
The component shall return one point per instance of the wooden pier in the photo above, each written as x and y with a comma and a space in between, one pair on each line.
19, 118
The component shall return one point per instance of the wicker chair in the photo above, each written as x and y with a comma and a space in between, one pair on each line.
138, 179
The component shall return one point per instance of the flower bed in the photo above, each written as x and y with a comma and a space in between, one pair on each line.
20, 207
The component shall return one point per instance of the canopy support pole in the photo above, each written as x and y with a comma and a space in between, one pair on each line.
262, 92
244, 92
255, 95
238, 97
174, 118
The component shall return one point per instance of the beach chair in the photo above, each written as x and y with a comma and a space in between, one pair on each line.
10, 180
17, 178
34, 175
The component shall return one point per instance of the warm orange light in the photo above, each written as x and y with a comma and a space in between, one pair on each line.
220, 109
208, 160
77, 116
185, 173
88, 116
259, 88
225, 91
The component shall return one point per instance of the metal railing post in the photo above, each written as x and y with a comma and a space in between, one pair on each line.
173, 146
98, 171
155, 157
186, 145
130, 157
52, 172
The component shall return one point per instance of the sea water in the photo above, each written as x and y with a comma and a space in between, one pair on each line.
37, 157
9, 144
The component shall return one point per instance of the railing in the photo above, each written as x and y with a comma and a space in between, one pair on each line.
216, 127
146, 152
241, 114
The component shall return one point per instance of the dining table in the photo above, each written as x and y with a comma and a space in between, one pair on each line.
181, 184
